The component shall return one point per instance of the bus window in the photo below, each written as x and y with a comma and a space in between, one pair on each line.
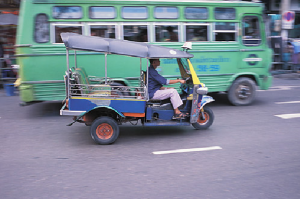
102, 12
166, 12
224, 13
107, 31
195, 13
135, 33
251, 32
134, 12
67, 12
65, 28
225, 31
41, 33
167, 33
196, 33
224, 26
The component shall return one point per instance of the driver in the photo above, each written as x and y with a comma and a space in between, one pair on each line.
158, 92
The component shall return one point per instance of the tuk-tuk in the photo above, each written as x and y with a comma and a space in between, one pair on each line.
106, 104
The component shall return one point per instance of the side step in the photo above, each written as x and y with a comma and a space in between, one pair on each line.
167, 123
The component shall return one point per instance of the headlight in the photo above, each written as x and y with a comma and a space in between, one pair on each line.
202, 90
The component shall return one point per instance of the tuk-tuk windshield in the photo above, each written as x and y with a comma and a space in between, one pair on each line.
184, 67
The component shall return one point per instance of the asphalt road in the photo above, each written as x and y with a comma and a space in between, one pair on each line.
257, 156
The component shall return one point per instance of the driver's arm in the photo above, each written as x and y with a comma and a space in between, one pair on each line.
174, 81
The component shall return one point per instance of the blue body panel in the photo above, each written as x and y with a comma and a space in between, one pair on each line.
162, 114
123, 106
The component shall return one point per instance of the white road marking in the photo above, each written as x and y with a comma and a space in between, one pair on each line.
289, 102
289, 116
186, 150
280, 88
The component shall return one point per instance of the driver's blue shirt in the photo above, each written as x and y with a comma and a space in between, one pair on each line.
155, 81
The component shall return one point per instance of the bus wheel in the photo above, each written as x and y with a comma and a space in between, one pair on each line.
119, 90
242, 91
104, 130
206, 122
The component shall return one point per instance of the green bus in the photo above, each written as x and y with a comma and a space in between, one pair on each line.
231, 52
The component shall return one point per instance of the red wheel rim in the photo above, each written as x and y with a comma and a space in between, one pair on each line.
104, 131
206, 118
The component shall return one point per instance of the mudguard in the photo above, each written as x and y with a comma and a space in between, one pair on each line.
205, 100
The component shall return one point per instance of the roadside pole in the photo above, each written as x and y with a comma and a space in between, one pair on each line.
285, 6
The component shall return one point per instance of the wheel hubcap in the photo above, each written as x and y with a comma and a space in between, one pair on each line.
104, 131
243, 92
201, 121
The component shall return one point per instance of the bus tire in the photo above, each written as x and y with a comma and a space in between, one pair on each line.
207, 122
242, 92
104, 130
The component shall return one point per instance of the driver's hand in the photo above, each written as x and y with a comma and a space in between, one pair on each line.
182, 81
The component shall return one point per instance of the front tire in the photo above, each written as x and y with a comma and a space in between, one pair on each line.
205, 123
242, 91
104, 130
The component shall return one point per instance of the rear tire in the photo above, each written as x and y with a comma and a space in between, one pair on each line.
242, 91
208, 120
104, 130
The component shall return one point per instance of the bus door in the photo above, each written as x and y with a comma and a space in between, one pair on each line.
252, 47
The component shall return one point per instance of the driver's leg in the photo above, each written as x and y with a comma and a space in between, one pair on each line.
169, 93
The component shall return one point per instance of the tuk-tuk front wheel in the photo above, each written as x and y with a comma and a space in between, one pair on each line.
104, 130
206, 122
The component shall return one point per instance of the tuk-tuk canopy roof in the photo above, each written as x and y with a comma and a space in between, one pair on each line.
115, 46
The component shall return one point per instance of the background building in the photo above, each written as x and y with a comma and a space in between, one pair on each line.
9, 12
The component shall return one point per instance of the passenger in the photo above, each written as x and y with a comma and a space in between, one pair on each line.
199, 35
158, 92
143, 36
173, 35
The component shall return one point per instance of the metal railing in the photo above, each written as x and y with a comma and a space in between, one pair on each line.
107, 91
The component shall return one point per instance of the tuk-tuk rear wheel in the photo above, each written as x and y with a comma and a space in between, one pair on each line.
104, 130
206, 122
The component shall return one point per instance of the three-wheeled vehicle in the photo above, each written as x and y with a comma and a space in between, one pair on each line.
106, 104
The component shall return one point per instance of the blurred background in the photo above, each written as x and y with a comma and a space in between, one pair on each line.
284, 42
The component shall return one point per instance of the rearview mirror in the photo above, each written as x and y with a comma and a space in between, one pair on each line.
202, 90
